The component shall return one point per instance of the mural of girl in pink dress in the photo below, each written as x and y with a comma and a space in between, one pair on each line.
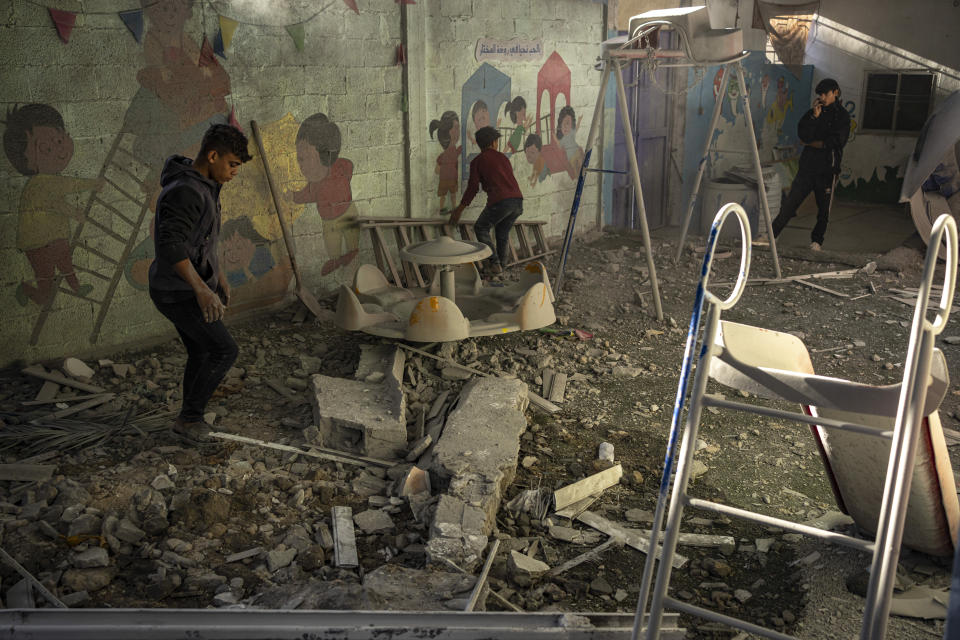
448, 134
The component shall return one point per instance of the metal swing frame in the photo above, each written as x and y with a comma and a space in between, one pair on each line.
904, 436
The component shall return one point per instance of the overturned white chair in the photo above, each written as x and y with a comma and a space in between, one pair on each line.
882, 445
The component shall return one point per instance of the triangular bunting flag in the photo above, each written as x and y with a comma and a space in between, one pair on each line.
64, 21
227, 27
218, 45
232, 121
353, 5
296, 32
206, 54
134, 21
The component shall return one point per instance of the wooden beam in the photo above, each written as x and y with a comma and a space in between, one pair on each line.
39, 372
589, 486
631, 538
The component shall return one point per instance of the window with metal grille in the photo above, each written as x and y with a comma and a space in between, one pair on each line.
897, 101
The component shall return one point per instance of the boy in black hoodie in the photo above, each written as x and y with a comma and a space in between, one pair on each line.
186, 283
824, 130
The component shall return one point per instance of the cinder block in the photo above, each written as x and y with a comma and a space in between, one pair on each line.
452, 8
362, 416
365, 80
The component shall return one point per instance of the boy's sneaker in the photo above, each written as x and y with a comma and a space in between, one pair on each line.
815, 246
761, 240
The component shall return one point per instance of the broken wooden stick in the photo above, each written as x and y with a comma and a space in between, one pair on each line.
26, 472
820, 287
593, 554
632, 538
536, 400
482, 578
83, 406
496, 595
29, 578
591, 485
345, 458
39, 372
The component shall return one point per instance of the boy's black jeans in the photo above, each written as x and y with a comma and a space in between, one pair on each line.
211, 351
499, 217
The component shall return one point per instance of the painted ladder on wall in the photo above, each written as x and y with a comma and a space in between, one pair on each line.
105, 236
409, 274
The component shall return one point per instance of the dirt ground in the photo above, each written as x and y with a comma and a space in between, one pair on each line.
622, 384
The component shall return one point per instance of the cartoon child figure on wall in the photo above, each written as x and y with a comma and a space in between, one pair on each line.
37, 144
448, 134
533, 150
328, 186
567, 125
517, 110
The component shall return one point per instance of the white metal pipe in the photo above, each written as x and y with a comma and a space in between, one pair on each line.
749, 627
638, 191
687, 449
770, 521
798, 417
701, 166
761, 188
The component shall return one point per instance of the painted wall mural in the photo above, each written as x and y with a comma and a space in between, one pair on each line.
447, 129
83, 238
546, 141
775, 119
328, 188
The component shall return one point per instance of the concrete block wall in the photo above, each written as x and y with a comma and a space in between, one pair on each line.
153, 99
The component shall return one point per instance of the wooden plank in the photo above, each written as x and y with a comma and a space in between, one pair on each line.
83, 406
37, 371
558, 386
47, 392
482, 578
243, 555
377, 251
598, 482
593, 554
630, 538
819, 287
524, 245
547, 377
577, 507
388, 258
27, 472
344, 538
414, 267
542, 247
36, 403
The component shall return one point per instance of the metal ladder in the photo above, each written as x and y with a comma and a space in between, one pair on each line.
904, 436
106, 234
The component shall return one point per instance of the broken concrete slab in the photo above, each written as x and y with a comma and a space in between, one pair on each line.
458, 533
381, 362
524, 564
369, 418
478, 449
399, 588
373, 521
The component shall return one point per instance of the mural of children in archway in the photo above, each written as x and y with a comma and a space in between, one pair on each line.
567, 125
448, 134
328, 186
517, 110
249, 264
38, 145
